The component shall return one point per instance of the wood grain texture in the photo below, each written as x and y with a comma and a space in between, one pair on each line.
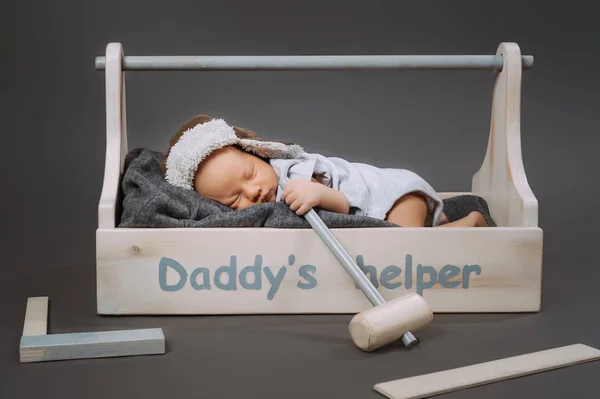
116, 136
457, 270
509, 257
36, 316
501, 179
484, 373
91, 345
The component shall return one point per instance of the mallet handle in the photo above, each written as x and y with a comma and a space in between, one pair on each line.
346, 260
340, 253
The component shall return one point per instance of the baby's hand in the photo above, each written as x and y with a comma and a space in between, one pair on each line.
302, 195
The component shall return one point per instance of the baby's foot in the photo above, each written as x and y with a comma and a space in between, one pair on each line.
477, 219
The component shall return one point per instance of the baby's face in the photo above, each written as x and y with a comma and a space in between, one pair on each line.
236, 179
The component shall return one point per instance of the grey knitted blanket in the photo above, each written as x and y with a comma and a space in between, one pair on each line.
148, 201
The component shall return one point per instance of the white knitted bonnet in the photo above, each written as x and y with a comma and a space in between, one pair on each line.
199, 137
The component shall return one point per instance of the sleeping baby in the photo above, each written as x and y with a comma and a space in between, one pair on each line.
236, 168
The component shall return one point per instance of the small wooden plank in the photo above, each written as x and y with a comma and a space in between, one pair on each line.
36, 316
484, 373
92, 345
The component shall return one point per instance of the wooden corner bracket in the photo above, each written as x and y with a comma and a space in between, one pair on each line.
39, 346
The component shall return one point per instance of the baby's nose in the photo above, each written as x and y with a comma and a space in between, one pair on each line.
254, 193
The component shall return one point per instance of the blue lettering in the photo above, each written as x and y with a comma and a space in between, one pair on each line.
466, 271
369, 270
205, 279
162, 274
231, 274
446, 274
408, 272
250, 277
311, 281
257, 284
388, 274
421, 271
274, 280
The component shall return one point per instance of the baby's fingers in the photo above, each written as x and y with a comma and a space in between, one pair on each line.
295, 205
291, 197
288, 189
306, 206
303, 209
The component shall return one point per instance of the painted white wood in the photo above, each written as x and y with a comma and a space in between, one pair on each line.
510, 256
508, 261
501, 179
36, 316
484, 373
116, 136
92, 345
38, 346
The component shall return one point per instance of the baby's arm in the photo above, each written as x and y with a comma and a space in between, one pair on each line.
333, 200
302, 195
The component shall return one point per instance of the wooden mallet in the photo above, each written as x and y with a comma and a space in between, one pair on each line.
387, 321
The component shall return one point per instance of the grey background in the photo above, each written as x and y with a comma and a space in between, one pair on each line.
433, 122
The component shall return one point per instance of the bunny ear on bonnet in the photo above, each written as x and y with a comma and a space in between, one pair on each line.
197, 138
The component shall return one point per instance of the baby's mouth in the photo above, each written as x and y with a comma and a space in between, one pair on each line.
267, 197
271, 196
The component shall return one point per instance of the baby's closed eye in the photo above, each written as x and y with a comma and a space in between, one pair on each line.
251, 172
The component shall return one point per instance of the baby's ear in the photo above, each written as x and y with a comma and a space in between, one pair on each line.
246, 134
250, 135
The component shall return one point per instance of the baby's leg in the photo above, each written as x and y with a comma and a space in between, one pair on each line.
411, 211
443, 218
408, 211
473, 219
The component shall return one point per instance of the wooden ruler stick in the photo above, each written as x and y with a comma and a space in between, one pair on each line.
484, 373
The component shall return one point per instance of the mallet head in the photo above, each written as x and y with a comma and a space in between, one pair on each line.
386, 323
